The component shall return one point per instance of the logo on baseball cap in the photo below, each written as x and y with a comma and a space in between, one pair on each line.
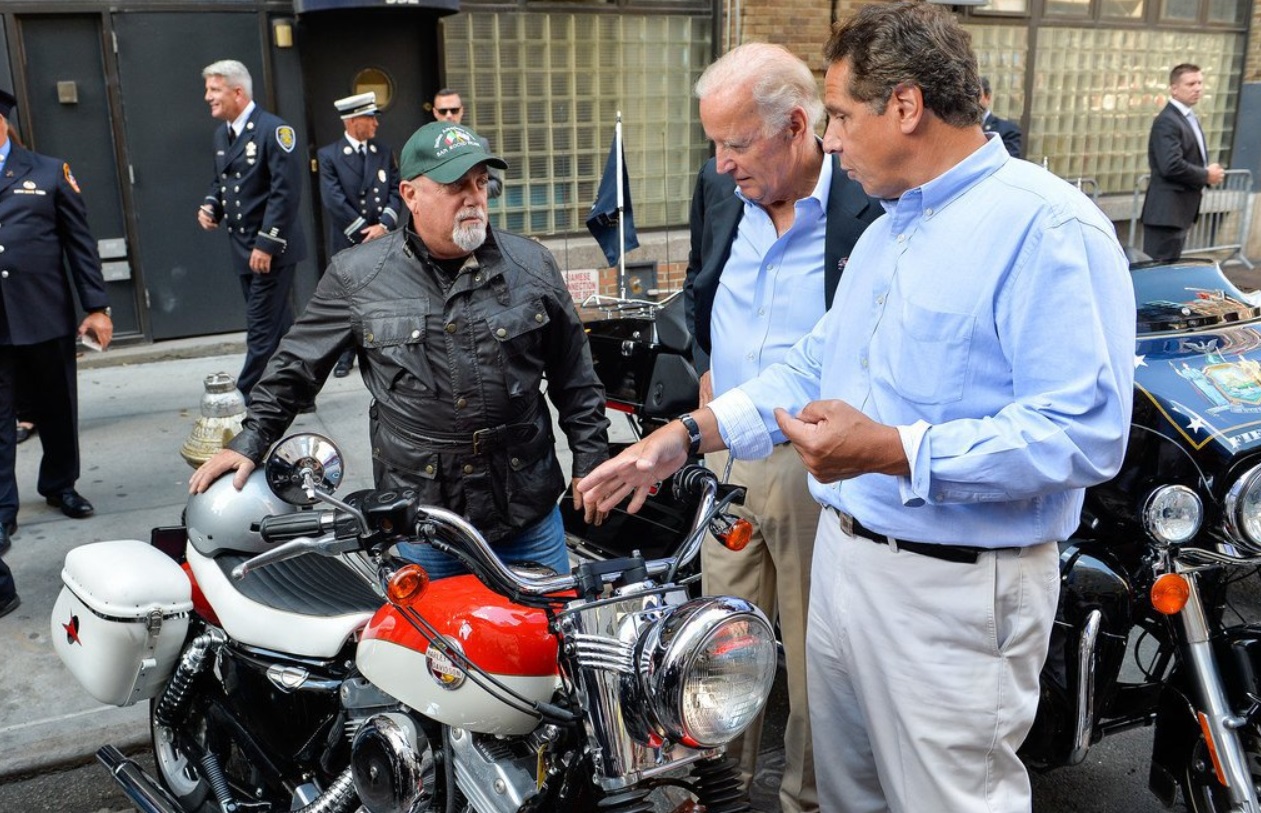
444, 152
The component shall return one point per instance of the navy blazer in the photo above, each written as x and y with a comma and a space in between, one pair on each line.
355, 199
43, 235
1008, 131
257, 190
715, 216
1178, 173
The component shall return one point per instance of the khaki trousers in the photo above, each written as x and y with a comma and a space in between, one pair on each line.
773, 572
924, 674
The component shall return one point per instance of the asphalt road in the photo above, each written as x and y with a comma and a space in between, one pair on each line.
1112, 780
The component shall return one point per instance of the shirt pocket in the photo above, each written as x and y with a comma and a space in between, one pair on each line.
934, 354
396, 343
520, 333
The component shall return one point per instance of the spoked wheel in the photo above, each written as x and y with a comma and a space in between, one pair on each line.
1200, 788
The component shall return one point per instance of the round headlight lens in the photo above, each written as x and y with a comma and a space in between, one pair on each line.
707, 669
1243, 510
1173, 514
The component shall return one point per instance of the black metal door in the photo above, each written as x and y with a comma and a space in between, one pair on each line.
70, 119
337, 45
192, 289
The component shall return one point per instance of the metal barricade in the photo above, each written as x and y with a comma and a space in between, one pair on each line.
1222, 226
1087, 186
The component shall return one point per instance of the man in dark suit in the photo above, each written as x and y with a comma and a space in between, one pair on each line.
773, 220
256, 193
448, 106
45, 245
1177, 156
1008, 131
358, 187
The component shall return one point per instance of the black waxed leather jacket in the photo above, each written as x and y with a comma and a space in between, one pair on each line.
458, 411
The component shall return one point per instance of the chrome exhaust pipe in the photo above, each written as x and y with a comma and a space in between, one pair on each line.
143, 790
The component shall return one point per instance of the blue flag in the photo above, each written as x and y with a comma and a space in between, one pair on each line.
602, 219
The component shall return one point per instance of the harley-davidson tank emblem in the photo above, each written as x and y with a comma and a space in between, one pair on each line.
441, 668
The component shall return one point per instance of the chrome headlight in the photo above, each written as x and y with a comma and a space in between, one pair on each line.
1243, 510
1173, 514
706, 669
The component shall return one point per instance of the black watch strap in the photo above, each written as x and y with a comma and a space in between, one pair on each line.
693, 434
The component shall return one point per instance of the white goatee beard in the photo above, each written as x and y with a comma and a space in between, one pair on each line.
469, 238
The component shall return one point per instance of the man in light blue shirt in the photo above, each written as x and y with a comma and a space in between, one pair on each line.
773, 220
974, 377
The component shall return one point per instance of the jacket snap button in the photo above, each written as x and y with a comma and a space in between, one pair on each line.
516, 461
468, 468
538, 317
450, 327
367, 336
501, 333
429, 469
461, 403
415, 334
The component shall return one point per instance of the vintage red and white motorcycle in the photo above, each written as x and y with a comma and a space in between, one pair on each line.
317, 675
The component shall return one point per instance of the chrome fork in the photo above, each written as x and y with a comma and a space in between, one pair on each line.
1215, 716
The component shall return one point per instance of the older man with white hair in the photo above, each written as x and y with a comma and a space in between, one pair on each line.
255, 195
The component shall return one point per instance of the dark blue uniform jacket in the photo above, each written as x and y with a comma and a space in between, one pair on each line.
45, 246
257, 190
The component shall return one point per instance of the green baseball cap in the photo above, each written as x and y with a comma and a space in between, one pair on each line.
444, 151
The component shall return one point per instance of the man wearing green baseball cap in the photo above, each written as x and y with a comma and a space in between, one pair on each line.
455, 325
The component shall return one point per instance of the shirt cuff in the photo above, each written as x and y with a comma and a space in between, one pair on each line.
914, 489
741, 427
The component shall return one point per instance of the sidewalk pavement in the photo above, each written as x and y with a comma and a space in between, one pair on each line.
136, 407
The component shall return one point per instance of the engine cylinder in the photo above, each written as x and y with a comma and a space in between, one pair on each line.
392, 765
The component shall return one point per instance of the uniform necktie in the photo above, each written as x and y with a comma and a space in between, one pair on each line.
363, 160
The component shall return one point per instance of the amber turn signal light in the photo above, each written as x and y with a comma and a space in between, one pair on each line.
738, 536
1170, 593
408, 583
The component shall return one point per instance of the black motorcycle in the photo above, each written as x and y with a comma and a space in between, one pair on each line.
1155, 624
641, 352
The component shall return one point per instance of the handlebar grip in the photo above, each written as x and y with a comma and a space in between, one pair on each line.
689, 481
292, 526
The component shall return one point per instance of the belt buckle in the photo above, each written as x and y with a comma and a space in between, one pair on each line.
477, 439
847, 523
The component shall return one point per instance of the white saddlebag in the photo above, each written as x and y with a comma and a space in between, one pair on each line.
120, 621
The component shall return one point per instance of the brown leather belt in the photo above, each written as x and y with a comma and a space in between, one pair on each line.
963, 554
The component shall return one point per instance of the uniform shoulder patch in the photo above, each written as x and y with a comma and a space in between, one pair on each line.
286, 138
65, 169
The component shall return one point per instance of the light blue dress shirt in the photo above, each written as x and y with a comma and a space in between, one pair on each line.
771, 291
989, 315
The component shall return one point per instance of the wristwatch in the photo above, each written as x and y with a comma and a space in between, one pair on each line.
693, 434
105, 310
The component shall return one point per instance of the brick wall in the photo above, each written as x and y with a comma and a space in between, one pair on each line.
801, 26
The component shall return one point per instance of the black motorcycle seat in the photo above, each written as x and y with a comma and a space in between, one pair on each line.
308, 585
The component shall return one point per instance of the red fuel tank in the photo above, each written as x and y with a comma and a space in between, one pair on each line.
509, 641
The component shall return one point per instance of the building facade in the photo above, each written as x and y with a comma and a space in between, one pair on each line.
114, 87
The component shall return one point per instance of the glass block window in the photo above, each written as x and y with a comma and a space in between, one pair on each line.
1096, 92
1001, 53
545, 89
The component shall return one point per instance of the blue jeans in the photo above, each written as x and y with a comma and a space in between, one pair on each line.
542, 543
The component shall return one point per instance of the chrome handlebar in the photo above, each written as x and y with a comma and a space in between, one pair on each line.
460, 534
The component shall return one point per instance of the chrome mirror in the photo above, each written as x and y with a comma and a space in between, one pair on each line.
299, 465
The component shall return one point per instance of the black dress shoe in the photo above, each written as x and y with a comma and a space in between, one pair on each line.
340, 371
72, 504
9, 606
24, 433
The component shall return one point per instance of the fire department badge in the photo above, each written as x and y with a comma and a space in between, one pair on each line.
381, 175
286, 138
65, 169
